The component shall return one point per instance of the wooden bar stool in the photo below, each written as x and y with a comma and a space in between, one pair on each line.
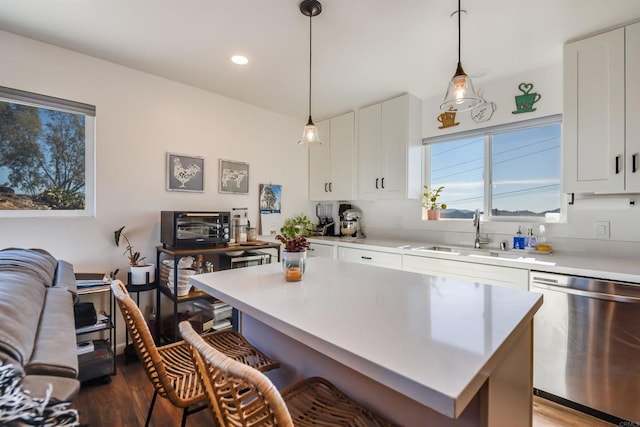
240, 395
170, 368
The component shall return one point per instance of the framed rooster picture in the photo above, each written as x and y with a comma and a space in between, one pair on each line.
234, 177
185, 173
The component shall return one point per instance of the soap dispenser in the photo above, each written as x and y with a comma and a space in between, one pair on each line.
518, 239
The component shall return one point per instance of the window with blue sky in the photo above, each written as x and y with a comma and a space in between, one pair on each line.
508, 171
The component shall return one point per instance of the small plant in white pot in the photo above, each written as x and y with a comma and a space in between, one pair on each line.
430, 205
139, 268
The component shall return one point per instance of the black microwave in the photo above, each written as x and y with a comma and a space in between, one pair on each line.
180, 229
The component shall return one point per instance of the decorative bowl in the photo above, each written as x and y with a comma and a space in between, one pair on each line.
234, 253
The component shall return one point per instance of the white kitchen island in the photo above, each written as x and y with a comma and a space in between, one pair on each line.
420, 349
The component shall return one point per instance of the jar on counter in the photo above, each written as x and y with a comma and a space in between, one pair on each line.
252, 234
241, 230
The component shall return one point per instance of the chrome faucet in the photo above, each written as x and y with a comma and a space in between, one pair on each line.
476, 224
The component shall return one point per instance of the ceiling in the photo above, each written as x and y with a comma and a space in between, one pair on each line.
363, 50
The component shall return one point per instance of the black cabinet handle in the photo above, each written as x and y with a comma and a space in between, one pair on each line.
634, 163
325, 187
377, 179
382, 182
330, 188
366, 257
617, 165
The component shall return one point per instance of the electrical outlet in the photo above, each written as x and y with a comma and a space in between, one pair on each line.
601, 230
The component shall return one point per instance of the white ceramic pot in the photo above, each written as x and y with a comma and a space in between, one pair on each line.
139, 274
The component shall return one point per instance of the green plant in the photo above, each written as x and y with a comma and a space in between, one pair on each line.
293, 233
134, 256
430, 198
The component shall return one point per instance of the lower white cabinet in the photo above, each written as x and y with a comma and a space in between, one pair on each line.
377, 258
516, 278
322, 250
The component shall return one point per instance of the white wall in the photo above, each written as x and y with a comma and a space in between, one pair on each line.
402, 219
141, 117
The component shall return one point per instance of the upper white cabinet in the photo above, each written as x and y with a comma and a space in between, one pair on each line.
632, 154
389, 149
600, 127
331, 164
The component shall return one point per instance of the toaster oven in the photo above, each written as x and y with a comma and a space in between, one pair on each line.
182, 229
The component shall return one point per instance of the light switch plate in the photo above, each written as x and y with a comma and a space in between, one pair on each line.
601, 230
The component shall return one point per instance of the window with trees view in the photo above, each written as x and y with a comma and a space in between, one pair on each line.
508, 170
46, 155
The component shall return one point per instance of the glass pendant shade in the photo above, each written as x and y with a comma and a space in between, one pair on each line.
461, 95
310, 135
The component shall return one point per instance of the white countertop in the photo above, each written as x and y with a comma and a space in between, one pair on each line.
429, 338
626, 269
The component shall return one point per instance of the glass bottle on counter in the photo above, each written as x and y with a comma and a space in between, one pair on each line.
543, 244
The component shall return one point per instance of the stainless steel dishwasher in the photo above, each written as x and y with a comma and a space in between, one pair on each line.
587, 344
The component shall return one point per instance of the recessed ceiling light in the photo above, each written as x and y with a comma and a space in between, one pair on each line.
239, 59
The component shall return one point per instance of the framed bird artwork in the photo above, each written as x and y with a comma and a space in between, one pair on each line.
185, 173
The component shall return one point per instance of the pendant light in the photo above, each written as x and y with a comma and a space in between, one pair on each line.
310, 135
461, 95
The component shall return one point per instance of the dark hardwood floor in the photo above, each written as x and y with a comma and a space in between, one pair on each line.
124, 401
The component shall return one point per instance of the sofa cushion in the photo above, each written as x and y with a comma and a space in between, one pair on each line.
36, 263
55, 350
21, 301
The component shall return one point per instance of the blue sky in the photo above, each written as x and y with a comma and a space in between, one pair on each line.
526, 170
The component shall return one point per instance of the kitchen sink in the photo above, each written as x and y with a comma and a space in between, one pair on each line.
498, 254
447, 249
442, 249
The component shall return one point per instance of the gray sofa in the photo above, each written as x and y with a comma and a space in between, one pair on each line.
37, 332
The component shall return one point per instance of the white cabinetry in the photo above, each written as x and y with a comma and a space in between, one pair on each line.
389, 149
322, 250
632, 153
480, 273
601, 105
331, 164
369, 257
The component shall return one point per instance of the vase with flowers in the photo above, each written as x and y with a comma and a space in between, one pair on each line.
293, 234
430, 205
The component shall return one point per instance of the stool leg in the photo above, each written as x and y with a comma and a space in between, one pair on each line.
153, 402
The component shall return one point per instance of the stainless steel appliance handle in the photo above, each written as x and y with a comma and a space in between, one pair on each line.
588, 294
213, 214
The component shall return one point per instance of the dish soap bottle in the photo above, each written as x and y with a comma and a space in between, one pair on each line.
532, 239
518, 239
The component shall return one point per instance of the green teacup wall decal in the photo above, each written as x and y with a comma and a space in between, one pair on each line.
524, 102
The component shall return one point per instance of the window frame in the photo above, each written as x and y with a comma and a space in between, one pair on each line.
487, 174
16, 96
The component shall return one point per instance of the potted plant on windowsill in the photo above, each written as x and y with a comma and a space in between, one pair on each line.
139, 268
293, 234
430, 205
